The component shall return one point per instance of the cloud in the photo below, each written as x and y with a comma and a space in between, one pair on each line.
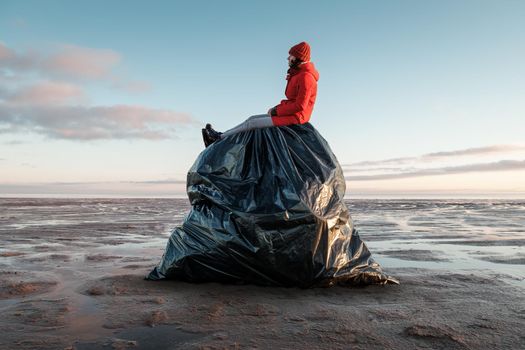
76, 183
44, 93
153, 188
474, 151
429, 157
383, 162
68, 62
59, 109
5, 53
93, 122
164, 182
502, 165
396, 169
27, 62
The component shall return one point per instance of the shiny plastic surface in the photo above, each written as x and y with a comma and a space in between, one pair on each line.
267, 209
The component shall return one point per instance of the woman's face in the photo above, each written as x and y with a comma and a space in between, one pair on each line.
291, 60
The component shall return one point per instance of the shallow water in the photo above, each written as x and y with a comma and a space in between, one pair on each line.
484, 236
454, 235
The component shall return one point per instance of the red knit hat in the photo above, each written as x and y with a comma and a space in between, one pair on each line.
301, 51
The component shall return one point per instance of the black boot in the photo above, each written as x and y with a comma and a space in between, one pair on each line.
206, 138
213, 133
209, 135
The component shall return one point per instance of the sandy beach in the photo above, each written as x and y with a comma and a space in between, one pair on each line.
72, 277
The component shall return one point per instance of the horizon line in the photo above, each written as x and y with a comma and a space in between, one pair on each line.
493, 195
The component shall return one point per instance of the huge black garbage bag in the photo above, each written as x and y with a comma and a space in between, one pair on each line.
267, 208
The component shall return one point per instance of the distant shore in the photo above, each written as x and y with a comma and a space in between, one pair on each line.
398, 196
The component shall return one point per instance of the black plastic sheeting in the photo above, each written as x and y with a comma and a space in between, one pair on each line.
267, 209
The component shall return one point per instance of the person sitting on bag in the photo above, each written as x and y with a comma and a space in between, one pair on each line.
301, 91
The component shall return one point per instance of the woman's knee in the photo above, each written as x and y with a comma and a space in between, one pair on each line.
257, 123
256, 116
250, 123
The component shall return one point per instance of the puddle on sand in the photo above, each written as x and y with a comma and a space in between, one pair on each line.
143, 338
458, 258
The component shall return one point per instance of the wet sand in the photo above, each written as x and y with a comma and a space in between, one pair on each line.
71, 277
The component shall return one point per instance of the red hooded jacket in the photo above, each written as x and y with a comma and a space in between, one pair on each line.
300, 92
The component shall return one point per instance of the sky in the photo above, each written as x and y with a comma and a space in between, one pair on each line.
107, 98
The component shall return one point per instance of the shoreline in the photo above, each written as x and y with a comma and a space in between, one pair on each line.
518, 196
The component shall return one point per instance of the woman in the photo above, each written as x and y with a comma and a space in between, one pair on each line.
301, 91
